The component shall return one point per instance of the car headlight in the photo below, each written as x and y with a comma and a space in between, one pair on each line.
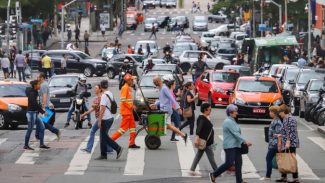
14, 108
52, 96
239, 101
139, 97
220, 90
79, 101
297, 93
277, 102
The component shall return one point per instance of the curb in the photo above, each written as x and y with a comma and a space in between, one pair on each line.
321, 130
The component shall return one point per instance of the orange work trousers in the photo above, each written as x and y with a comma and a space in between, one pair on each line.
127, 123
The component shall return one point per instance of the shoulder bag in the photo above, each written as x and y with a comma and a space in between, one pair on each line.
203, 143
187, 111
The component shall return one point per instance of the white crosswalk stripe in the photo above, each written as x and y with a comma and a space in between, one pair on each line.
305, 172
3, 140
30, 157
135, 159
248, 168
186, 154
80, 160
320, 141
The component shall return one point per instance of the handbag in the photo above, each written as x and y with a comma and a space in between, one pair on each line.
266, 134
203, 143
244, 148
274, 163
287, 162
27, 71
187, 112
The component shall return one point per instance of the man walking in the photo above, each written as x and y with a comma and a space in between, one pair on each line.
126, 111
21, 64
199, 67
46, 65
5, 63
77, 34
86, 38
64, 64
105, 121
153, 31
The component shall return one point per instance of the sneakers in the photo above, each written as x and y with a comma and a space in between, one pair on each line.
185, 138
134, 146
58, 135
44, 147
119, 153
265, 178
101, 157
85, 150
194, 173
66, 125
28, 148
212, 178
174, 140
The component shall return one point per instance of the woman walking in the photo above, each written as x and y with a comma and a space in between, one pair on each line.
275, 130
232, 145
176, 118
204, 131
290, 139
189, 101
95, 107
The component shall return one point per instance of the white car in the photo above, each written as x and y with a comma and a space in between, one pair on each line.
171, 3
222, 30
154, 49
218, 17
200, 23
239, 38
207, 37
148, 22
187, 58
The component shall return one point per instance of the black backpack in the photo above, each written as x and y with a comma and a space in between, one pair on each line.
113, 108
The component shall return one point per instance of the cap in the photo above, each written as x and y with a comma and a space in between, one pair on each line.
128, 77
231, 108
83, 78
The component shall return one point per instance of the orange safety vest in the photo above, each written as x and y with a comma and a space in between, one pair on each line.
130, 51
126, 107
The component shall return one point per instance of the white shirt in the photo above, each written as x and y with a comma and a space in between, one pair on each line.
5, 63
103, 27
104, 101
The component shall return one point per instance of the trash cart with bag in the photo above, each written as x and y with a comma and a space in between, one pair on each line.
154, 123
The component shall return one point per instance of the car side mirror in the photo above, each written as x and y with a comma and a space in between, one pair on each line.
89, 86
230, 91
205, 80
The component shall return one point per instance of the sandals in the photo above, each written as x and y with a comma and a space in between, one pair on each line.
282, 179
294, 181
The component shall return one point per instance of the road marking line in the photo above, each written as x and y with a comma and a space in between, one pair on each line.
248, 168
186, 154
3, 140
301, 122
135, 160
320, 141
80, 160
29, 157
305, 172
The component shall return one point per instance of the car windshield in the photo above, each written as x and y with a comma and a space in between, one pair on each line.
210, 35
130, 19
164, 67
139, 58
291, 74
154, 61
63, 81
227, 51
241, 37
150, 20
83, 55
225, 77
147, 81
161, 18
316, 85
152, 45
183, 47
305, 76
225, 45
203, 20
170, 0
257, 86
13, 90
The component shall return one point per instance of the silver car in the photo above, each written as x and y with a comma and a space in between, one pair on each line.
149, 22
171, 3
154, 49
200, 23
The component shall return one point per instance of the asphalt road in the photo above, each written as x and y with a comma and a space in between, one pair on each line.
64, 162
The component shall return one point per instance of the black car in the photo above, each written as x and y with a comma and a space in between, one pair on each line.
115, 63
174, 68
181, 21
59, 86
287, 80
78, 62
243, 70
35, 56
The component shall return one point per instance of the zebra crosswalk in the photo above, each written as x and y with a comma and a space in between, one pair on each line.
135, 162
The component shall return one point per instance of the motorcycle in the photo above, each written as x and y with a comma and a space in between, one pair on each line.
168, 57
131, 70
318, 108
79, 108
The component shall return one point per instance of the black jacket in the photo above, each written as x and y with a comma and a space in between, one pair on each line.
204, 128
33, 104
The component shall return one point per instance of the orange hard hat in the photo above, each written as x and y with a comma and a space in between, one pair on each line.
128, 77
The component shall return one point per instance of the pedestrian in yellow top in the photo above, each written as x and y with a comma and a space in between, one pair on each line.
46, 65
126, 110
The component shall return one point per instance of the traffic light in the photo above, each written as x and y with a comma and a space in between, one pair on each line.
2, 31
13, 27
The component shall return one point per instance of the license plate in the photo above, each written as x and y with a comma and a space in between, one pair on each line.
64, 100
258, 110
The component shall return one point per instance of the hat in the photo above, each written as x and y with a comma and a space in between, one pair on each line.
128, 77
231, 108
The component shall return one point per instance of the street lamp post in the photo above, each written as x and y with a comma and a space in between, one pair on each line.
309, 29
280, 9
62, 22
8, 16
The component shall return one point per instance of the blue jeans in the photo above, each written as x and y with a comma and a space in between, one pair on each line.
32, 118
269, 157
91, 140
71, 110
176, 118
232, 155
105, 139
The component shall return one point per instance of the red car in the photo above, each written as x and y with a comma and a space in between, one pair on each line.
212, 86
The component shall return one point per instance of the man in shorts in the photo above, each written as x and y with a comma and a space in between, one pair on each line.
164, 103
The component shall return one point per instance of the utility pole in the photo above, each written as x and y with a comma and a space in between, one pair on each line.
262, 3
55, 19
309, 30
20, 43
8, 24
253, 14
286, 15
62, 22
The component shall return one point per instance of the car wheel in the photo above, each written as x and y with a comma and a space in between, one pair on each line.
210, 101
307, 114
222, 34
293, 108
210, 20
14, 126
111, 74
301, 114
321, 118
3, 123
89, 72
219, 66
100, 74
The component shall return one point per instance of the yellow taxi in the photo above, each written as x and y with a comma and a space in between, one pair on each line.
13, 104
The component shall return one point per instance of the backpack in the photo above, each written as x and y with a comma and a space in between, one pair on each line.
113, 107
